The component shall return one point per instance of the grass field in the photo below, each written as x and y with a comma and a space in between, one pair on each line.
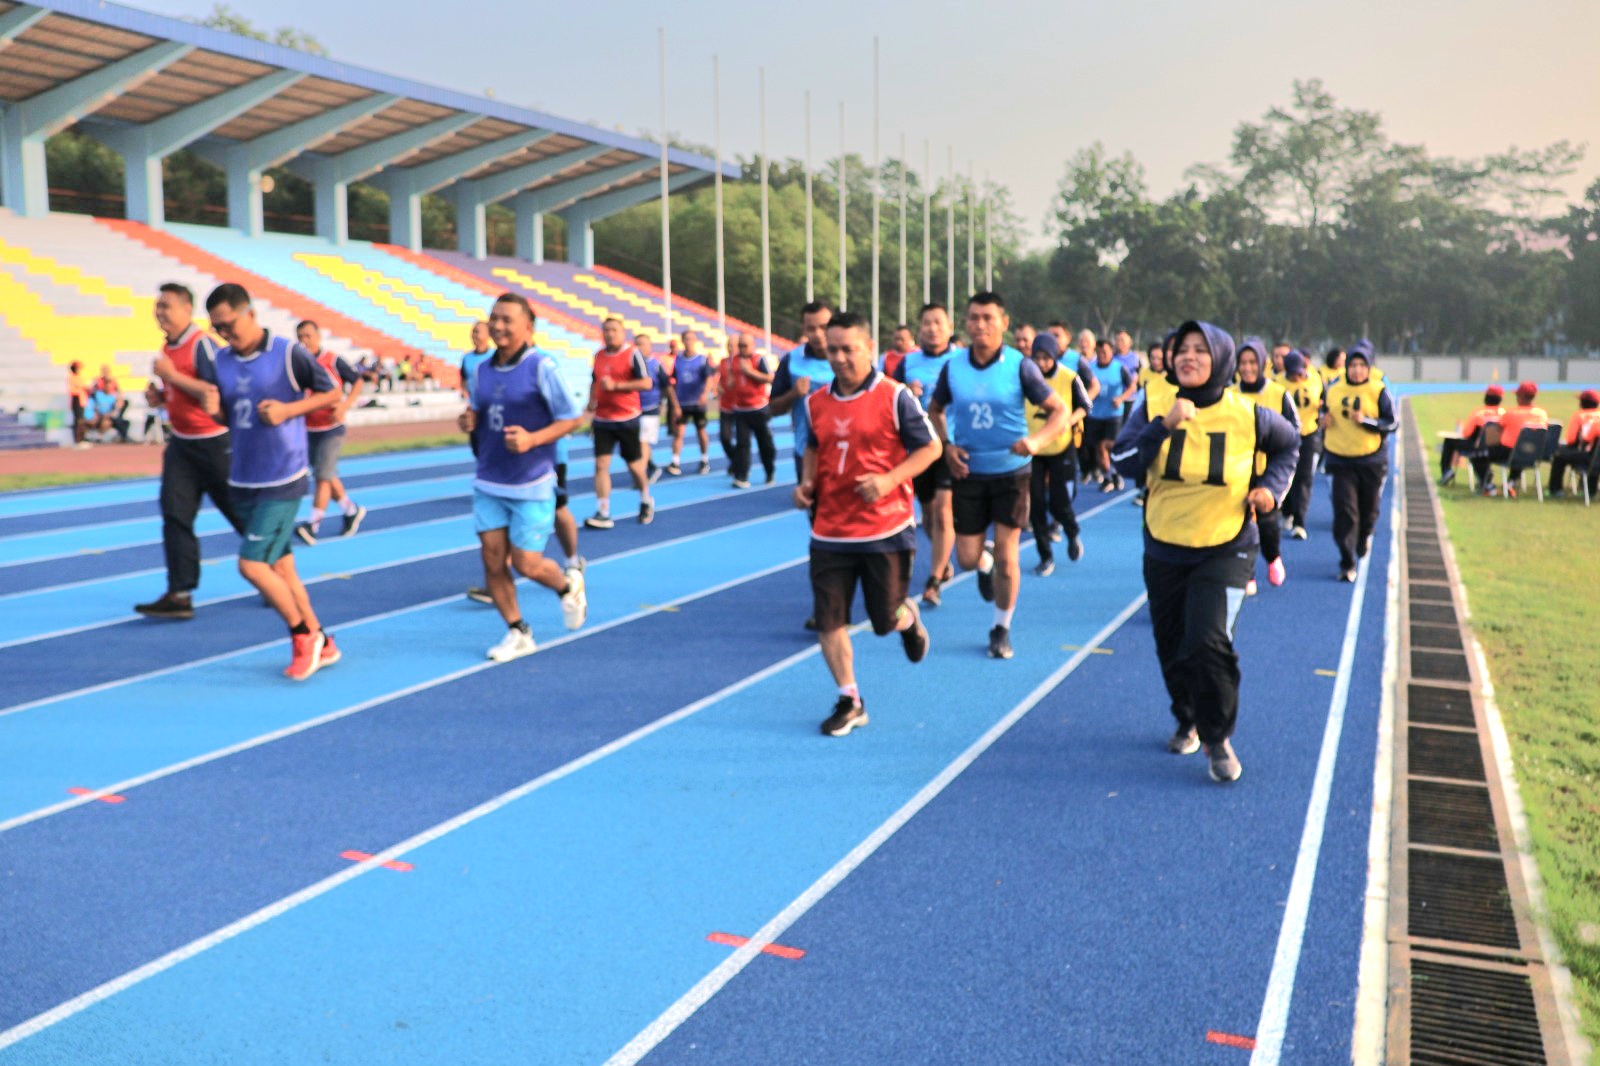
1530, 572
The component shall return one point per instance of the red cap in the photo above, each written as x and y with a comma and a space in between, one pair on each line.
1526, 392
1494, 393
1589, 398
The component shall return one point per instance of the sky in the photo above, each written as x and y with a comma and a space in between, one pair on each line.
1014, 87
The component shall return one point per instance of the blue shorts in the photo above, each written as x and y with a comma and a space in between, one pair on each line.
268, 525
531, 521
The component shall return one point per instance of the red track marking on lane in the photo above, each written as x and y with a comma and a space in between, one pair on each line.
734, 941
102, 799
361, 856
1244, 1043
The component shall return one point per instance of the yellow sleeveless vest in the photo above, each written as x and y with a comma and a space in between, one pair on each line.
1061, 384
1307, 396
1201, 476
1158, 392
1347, 404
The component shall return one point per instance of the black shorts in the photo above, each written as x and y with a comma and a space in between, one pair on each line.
561, 485
1097, 430
624, 436
984, 501
697, 415
930, 481
885, 579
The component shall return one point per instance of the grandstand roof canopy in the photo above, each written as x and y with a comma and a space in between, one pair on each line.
46, 45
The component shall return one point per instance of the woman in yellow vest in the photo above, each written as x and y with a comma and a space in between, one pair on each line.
1052, 484
1305, 389
1155, 390
1197, 453
1255, 386
1357, 413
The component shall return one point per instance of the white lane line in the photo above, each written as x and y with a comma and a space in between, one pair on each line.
709, 985
1291, 935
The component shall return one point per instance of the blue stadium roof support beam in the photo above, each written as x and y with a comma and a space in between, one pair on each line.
581, 216
143, 147
407, 186
331, 175
24, 126
245, 160
472, 197
531, 206
529, 232
16, 21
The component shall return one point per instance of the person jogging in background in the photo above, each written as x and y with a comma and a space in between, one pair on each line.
197, 459
802, 369
868, 439
1022, 337
1578, 441
1117, 385
1279, 352
1197, 451
620, 375
980, 407
264, 388
1332, 368
480, 353
1051, 484
903, 344
919, 371
1490, 412
523, 408
746, 392
691, 385
1261, 391
325, 437
1305, 390
1125, 353
1358, 413
651, 402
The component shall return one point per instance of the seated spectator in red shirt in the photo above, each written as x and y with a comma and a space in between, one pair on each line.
1582, 436
1492, 411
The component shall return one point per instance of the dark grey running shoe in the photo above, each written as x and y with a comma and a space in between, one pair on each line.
915, 639
999, 643
847, 714
1224, 763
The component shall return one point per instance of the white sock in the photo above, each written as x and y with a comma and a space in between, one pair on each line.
348, 506
850, 690
989, 558
644, 496
316, 518
603, 507
1003, 617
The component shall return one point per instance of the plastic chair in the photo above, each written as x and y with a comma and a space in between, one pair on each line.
1526, 455
1483, 441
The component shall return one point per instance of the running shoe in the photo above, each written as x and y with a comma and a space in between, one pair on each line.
599, 521
330, 650
1185, 741
647, 512
810, 624
174, 605
514, 645
352, 522
307, 655
1276, 573
674, 469
986, 572
1366, 546
1074, 548
1250, 587
654, 474
306, 532
1045, 568
578, 563
1298, 532
772, 475
1138, 501
1224, 764
999, 643
1055, 532
1108, 485
705, 466
575, 601
915, 640
1447, 477
1288, 524
930, 592
740, 483
479, 594
1348, 575
847, 714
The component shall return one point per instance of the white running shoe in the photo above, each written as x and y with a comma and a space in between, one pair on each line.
514, 645
575, 604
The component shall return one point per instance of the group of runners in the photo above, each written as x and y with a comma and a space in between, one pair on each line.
988, 438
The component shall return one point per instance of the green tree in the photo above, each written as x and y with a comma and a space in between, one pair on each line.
223, 17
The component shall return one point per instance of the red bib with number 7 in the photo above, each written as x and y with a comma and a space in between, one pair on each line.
858, 435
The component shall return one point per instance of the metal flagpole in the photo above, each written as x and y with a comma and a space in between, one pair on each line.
716, 122
950, 235
972, 234
902, 317
844, 291
988, 242
927, 222
766, 242
810, 286
666, 218
877, 194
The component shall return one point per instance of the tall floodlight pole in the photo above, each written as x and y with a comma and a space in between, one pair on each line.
927, 222
988, 242
972, 234
844, 291
877, 182
950, 235
810, 283
666, 217
766, 241
716, 122
902, 317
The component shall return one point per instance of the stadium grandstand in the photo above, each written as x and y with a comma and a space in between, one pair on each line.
80, 289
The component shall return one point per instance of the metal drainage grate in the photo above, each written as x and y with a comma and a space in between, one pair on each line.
1440, 706
1447, 637
1467, 1016
1444, 753
1462, 898
1435, 614
1440, 666
1428, 573
1451, 816
1430, 593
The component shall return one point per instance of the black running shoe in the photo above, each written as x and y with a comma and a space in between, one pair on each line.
1045, 568
930, 593
847, 714
810, 624
175, 606
999, 643
1074, 548
986, 576
915, 640
647, 512
479, 594
599, 521
705, 467
352, 522
674, 469
304, 531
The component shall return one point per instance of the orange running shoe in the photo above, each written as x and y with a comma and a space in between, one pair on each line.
307, 655
330, 650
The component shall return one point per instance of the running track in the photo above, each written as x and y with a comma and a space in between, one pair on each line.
1004, 867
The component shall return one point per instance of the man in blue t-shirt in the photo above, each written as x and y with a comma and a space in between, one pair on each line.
979, 409
266, 386
919, 371
1117, 386
803, 369
523, 408
691, 377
